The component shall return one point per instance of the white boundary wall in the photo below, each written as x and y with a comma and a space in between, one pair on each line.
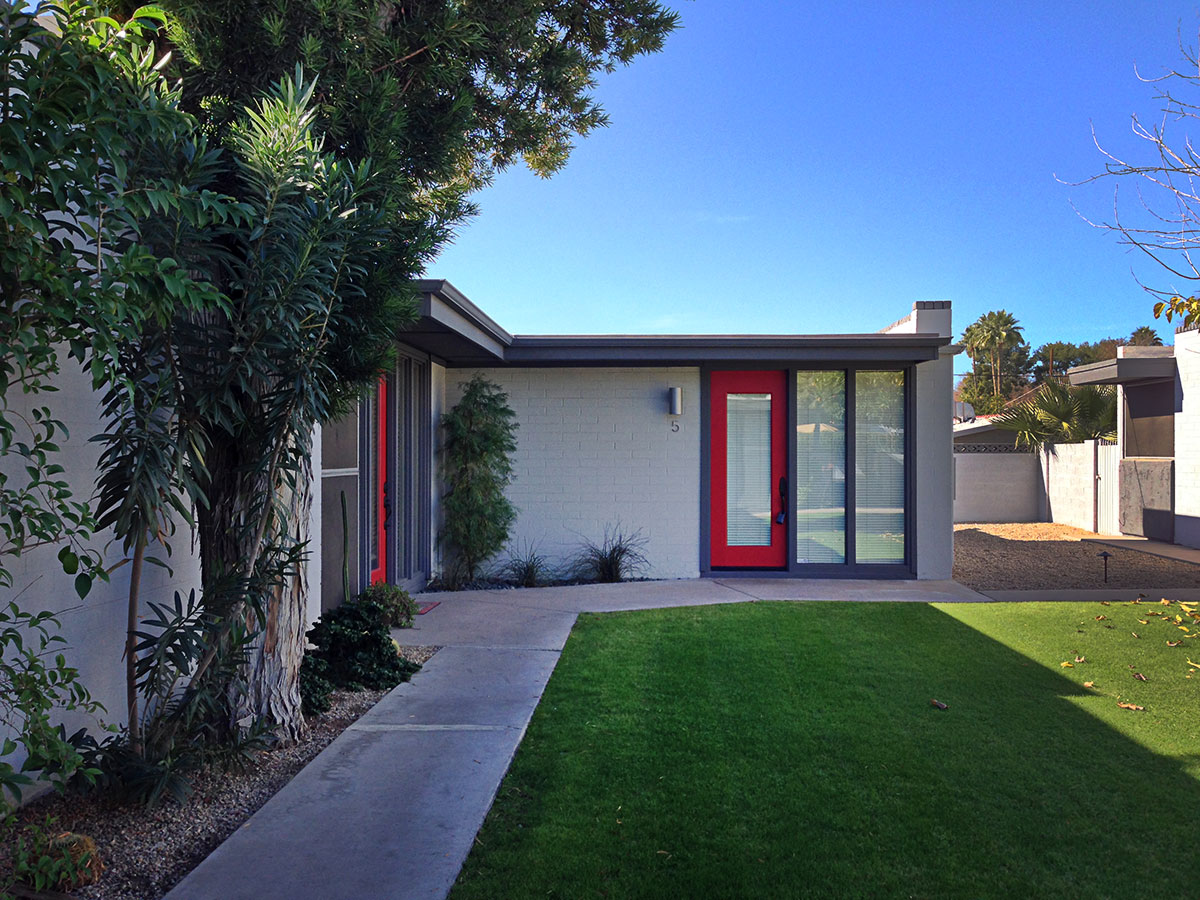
997, 487
596, 447
1187, 438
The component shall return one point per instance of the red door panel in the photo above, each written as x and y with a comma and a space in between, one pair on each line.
748, 459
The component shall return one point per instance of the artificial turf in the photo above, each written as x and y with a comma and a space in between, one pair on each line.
791, 750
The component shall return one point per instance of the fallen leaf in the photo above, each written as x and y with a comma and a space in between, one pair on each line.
1131, 706
1067, 665
1175, 643
1105, 603
1101, 618
1193, 665
1165, 602
1089, 684
939, 704
1139, 676
1110, 626
1080, 659
1144, 621
1136, 635
1183, 628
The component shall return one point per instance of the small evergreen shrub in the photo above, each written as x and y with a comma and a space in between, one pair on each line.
479, 439
618, 556
351, 649
396, 605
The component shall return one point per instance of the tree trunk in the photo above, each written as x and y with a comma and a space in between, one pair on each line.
227, 528
273, 665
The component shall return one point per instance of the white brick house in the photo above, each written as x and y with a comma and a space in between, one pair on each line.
714, 486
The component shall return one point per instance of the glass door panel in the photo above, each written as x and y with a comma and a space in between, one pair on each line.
879, 467
748, 494
821, 467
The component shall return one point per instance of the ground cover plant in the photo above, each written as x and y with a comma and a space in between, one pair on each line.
785, 750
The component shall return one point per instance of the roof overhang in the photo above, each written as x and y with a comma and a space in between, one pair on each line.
1127, 370
454, 330
457, 333
703, 349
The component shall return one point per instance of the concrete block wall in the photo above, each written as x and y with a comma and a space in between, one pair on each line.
1187, 438
598, 447
997, 487
1069, 476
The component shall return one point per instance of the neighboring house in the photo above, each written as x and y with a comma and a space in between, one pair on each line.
1158, 436
685, 438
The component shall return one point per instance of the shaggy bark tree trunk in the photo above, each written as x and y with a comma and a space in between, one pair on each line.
227, 531
273, 664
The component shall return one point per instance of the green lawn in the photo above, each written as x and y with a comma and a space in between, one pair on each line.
791, 750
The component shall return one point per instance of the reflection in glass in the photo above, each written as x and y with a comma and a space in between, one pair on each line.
821, 467
879, 467
748, 474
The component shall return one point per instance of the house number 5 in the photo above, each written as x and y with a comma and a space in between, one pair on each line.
674, 426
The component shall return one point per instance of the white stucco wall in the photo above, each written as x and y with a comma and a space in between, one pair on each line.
997, 487
596, 447
934, 512
1187, 438
94, 628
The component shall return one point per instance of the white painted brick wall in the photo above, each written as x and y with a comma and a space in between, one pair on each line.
997, 487
596, 448
1187, 438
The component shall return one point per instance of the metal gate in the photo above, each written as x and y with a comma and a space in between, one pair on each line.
1108, 459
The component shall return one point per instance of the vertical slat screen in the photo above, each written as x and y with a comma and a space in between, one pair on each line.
748, 480
821, 467
879, 462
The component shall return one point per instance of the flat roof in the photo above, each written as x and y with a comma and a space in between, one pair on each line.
455, 331
1126, 370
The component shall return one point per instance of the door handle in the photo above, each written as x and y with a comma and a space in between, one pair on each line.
782, 517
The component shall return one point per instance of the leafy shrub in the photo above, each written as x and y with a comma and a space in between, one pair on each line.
396, 605
480, 437
185, 724
46, 859
351, 649
618, 556
527, 568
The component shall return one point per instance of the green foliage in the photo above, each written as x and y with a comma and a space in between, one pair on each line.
1062, 413
619, 555
1145, 336
396, 605
184, 723
977, 390
479, 439
45, 858
996, 338
527, 567
35, 680
351, 649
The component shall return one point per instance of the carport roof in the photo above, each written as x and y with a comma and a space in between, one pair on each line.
1124, 370
456, 332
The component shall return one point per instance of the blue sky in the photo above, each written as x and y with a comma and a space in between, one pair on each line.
815, 168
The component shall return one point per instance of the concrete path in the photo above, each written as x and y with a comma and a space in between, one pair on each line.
390, 809
1154, 548
1152, 595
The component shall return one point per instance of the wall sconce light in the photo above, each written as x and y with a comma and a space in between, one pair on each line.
675, 401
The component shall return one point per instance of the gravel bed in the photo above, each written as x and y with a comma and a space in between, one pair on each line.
1042, 555
147, 852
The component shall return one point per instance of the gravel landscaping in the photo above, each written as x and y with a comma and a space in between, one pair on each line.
1037, 555
147, 852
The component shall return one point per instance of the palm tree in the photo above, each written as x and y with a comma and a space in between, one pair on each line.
992, 336
1063, 414
1145, 336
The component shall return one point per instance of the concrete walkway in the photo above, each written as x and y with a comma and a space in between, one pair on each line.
1154, 548
390, 809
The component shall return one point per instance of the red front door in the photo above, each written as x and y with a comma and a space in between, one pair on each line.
749, 461
378, 486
